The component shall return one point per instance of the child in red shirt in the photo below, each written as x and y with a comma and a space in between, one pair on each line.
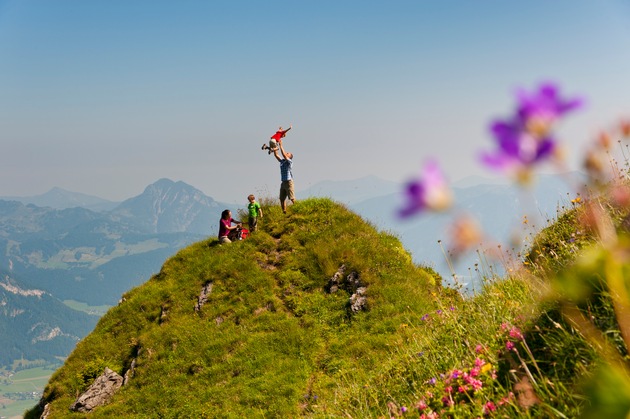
275, 139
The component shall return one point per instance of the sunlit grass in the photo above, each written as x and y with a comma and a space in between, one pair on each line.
273, 341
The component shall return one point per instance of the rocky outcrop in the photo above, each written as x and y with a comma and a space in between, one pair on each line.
99, 393
130, 372
358, 300
45, 412
203, 296
353, 285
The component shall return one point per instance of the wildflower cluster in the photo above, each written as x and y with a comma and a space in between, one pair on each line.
460, 390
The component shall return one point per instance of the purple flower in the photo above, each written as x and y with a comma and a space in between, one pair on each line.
544, 107
517, 147
430, 192
525, 138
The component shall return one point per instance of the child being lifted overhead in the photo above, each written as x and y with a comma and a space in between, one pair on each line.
275, 139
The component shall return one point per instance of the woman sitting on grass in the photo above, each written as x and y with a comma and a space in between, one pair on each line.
228, 232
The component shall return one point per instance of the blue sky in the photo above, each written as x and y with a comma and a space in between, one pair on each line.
106, 97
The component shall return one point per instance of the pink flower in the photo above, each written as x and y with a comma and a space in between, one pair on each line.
421, 405
476, 384
478, 349
509, 345
479, 362
488, 408
515, 333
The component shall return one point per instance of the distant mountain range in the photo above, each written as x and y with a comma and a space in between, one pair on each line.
58, 198
69, 246
93, 257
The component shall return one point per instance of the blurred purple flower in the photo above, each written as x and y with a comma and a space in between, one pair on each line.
545, 106
429, 192
516, 147
525, 138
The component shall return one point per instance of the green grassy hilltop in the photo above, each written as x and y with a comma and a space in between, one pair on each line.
284, 332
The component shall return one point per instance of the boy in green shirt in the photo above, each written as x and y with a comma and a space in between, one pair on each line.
255, 211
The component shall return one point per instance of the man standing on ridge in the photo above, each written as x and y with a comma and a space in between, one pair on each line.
286, 176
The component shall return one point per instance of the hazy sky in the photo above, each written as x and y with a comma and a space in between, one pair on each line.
105, 96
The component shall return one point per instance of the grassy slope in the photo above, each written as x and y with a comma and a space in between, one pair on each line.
270, 341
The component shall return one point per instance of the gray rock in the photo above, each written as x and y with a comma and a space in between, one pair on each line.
46, 412
99, 393
358, 300
203, 296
